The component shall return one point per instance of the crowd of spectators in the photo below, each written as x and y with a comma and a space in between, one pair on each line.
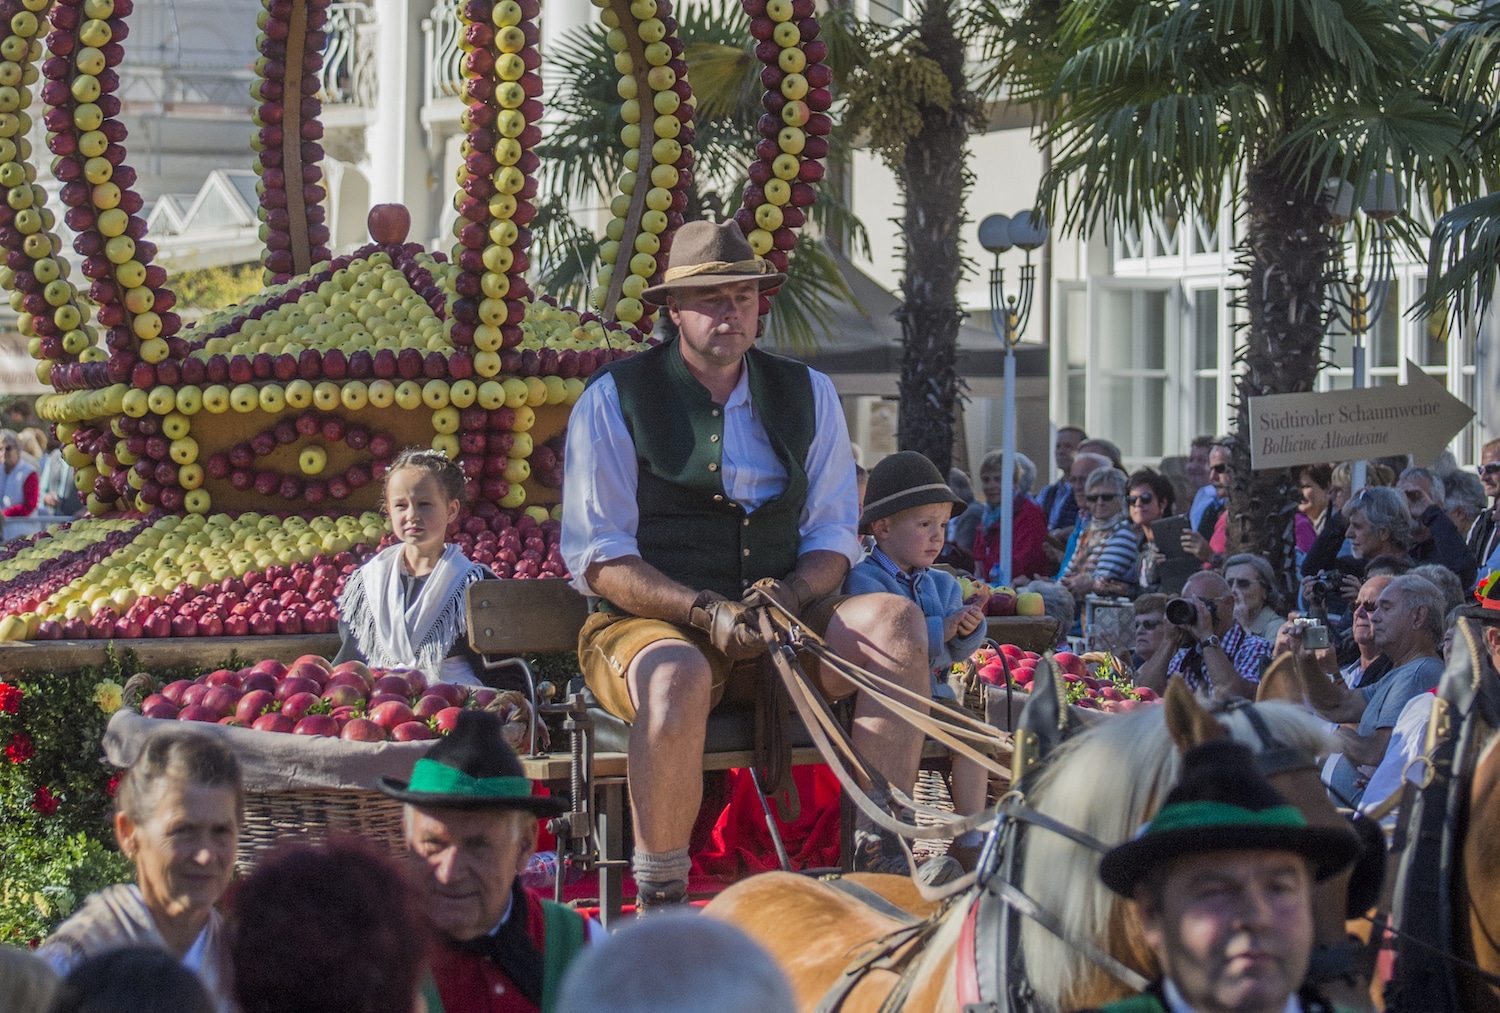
1380, 566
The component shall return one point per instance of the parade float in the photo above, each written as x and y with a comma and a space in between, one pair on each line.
232, 466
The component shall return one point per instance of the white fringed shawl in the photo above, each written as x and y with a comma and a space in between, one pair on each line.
392, 632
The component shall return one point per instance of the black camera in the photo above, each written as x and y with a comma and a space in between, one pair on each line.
1320, 588
1181, 612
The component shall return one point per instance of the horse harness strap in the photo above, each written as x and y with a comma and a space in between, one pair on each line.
1274, 756
870, 899
890, 953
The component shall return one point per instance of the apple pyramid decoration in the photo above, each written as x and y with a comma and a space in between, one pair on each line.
246, 451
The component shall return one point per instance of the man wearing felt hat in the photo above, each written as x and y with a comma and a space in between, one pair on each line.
697, 472
470, 822
1222, 881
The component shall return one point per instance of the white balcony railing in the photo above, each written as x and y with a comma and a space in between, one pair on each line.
348, 77
443, 32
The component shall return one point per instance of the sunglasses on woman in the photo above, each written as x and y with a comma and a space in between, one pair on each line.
1145, 499
1103, 497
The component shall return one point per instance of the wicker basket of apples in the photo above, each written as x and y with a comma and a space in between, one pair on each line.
312, 739
1096, 682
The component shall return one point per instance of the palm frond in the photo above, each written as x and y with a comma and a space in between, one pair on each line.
1461, 262
804, 306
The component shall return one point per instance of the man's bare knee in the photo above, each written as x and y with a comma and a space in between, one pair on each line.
884, 631
671, 685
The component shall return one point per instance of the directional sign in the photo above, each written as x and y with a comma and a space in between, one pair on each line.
1419, 418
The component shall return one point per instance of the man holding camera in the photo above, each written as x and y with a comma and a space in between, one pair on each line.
1205, 645
1406, 624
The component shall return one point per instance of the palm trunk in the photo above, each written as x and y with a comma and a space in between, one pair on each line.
1284, 260
933, 181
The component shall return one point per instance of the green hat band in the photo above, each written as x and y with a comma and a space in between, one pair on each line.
1192, 815
440, 779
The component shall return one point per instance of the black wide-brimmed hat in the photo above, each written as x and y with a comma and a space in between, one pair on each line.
1223, 803
705, 254
472, 768
901, 481
1486, 607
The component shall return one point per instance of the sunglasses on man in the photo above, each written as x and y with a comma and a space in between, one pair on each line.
1486, 470
1218, 469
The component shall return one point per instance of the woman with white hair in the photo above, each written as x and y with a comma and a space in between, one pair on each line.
1253, 582
1108, 547
21, 487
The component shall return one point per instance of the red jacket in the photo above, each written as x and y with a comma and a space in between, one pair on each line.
468, 983
1028, 556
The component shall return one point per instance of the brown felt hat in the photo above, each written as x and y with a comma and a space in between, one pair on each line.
705, 254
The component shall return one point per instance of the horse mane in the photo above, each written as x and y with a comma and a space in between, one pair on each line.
1107, 781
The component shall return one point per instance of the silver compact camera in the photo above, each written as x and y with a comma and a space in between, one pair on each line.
1314, 634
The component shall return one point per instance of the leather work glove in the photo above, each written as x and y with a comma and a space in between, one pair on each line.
791, 594
727, 625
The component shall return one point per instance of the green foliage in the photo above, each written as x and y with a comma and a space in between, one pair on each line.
56, 790
211, 288
1152, 107
893, 94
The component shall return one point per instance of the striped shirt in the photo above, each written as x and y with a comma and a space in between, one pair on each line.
1247, 653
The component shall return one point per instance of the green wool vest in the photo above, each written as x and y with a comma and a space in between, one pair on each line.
689, 528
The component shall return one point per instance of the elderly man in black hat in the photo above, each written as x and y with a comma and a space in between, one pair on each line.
694, 471
470, 827
1222, 880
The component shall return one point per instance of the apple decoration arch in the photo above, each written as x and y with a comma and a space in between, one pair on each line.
254, 422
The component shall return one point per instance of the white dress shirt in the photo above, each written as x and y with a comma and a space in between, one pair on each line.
600, 515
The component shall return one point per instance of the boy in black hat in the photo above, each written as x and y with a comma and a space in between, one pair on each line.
470, 827
907, 509
1222, 880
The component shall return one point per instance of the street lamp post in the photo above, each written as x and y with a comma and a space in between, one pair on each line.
1359, 300
1008, 317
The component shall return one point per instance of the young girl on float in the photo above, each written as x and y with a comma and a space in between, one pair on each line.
405, 607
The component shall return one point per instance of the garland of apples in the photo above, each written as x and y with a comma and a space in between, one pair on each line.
286, 138
658, 134
502, 89
794, 129
87, 139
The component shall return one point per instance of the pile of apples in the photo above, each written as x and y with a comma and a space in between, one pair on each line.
1001, 600
1093, 681
350, 701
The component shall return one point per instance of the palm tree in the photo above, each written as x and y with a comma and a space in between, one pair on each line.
913, 98
1151, 109
1465, 250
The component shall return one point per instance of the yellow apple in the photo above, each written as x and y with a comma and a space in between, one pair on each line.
355, 395
244, 398
409, 394
312, 460
190, 476
273, 399
435, 394
326, 396
184, 450
445, 420
517, 471
514, 498
215, 399
381, 393
461, 393
491, 395
298, 394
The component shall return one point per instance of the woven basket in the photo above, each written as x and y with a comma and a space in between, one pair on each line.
1030, 633
316, 814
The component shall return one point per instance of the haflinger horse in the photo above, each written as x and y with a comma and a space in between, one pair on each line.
1105, 781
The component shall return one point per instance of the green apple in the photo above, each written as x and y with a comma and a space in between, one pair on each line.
189, 399
190, 475
435, 394
244, 398
184, 450
326, 396
445, 420
355, 395
491, 395
215, 399
298, 394
136, 403
381, 393
409, 394
514, 498
273, 399
162, 399
312, 460
461, 393
517, 471
175, 426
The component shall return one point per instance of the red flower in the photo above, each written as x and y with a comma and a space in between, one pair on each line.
10, 699
20, 749
44, 801
114, 783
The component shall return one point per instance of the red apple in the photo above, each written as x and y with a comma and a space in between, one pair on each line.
343, 696
447, 719
290, 687
391, 714
455, 694
258, 680
198, 712
297, 705
316, 674
222, 700
159, 707
317, 724
223, 677
429, 706
252, 705
393, 685
273, 723
411, 731
271, 666
1071, 663
362, 730
173, 690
